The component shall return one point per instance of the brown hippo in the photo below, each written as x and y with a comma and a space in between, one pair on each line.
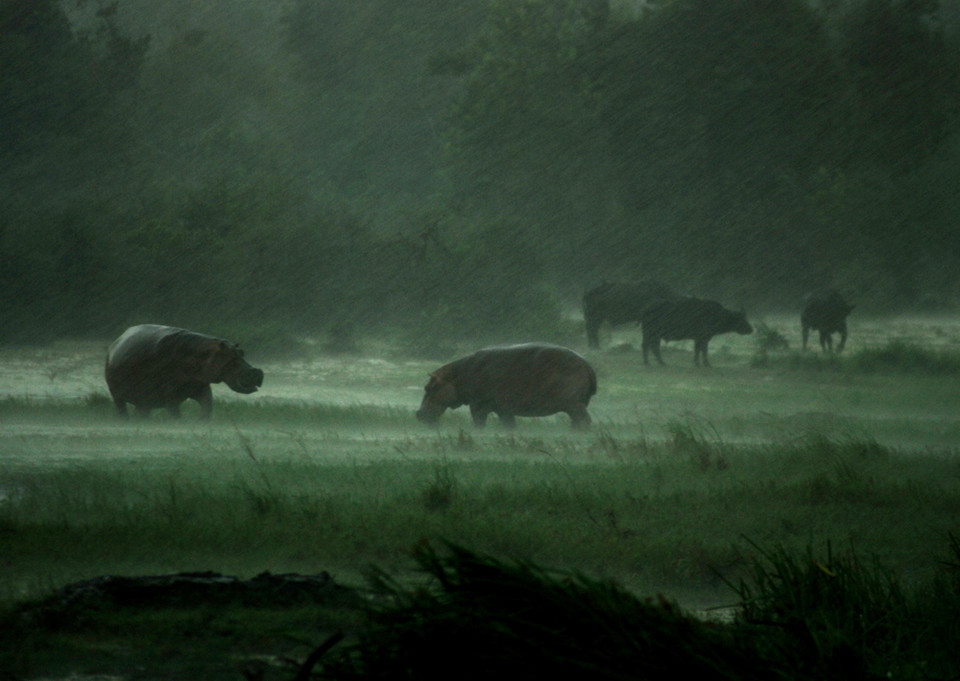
158, 367
532, 379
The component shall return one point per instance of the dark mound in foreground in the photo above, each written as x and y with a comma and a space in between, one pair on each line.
188, 589
482, 618
476, 617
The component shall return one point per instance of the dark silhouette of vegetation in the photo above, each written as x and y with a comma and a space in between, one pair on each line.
799, 617
460, 168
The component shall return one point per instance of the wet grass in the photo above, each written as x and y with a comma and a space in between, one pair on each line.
688, 477
652, 514
896, 357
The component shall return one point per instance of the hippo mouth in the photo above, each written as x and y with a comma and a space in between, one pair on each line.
248, 381
428, 416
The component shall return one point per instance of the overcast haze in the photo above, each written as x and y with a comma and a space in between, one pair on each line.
466, 167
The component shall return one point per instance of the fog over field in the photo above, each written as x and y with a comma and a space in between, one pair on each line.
358, 193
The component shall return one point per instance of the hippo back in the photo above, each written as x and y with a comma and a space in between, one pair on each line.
539, 375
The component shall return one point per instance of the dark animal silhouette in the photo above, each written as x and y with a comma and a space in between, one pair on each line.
158, 367
619, 303
687, 318
532, 379
827, 313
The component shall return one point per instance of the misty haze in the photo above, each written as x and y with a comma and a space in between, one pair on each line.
661, 292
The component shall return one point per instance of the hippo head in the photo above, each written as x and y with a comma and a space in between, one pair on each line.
224, 362
439, 395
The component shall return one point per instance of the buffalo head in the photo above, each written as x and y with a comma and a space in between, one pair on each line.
739, 323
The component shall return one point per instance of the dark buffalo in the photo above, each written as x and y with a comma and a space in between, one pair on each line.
619, 303
533, 379
688, 318
158, 367
827, 313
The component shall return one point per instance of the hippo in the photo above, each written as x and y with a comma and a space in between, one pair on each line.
827, 313
158, 367
687, 318
530, 379
619, 302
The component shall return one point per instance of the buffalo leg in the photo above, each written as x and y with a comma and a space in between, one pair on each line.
700, 348
593, 332
654, 346
507, 420
843, 337
826, 342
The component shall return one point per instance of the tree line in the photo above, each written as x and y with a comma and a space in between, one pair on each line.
463, 167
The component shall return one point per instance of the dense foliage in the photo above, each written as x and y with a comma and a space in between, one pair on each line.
461, 168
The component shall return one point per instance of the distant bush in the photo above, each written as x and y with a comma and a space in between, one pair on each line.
900, 356
894, 357
769, 339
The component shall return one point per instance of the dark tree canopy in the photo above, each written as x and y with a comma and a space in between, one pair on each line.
466, 167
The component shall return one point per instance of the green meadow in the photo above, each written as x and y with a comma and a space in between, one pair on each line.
686, 477
327, 469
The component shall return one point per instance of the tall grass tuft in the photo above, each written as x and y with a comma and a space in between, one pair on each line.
800, 617
439, 493
854, 615
690, 442
480, 618
769, 339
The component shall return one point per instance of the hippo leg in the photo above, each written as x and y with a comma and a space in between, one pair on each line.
507, 420
579, 418
121, 408
479, 415
204, 398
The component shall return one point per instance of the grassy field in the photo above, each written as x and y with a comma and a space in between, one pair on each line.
684, 474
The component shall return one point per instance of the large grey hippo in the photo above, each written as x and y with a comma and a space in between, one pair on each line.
158, 367
532, 379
